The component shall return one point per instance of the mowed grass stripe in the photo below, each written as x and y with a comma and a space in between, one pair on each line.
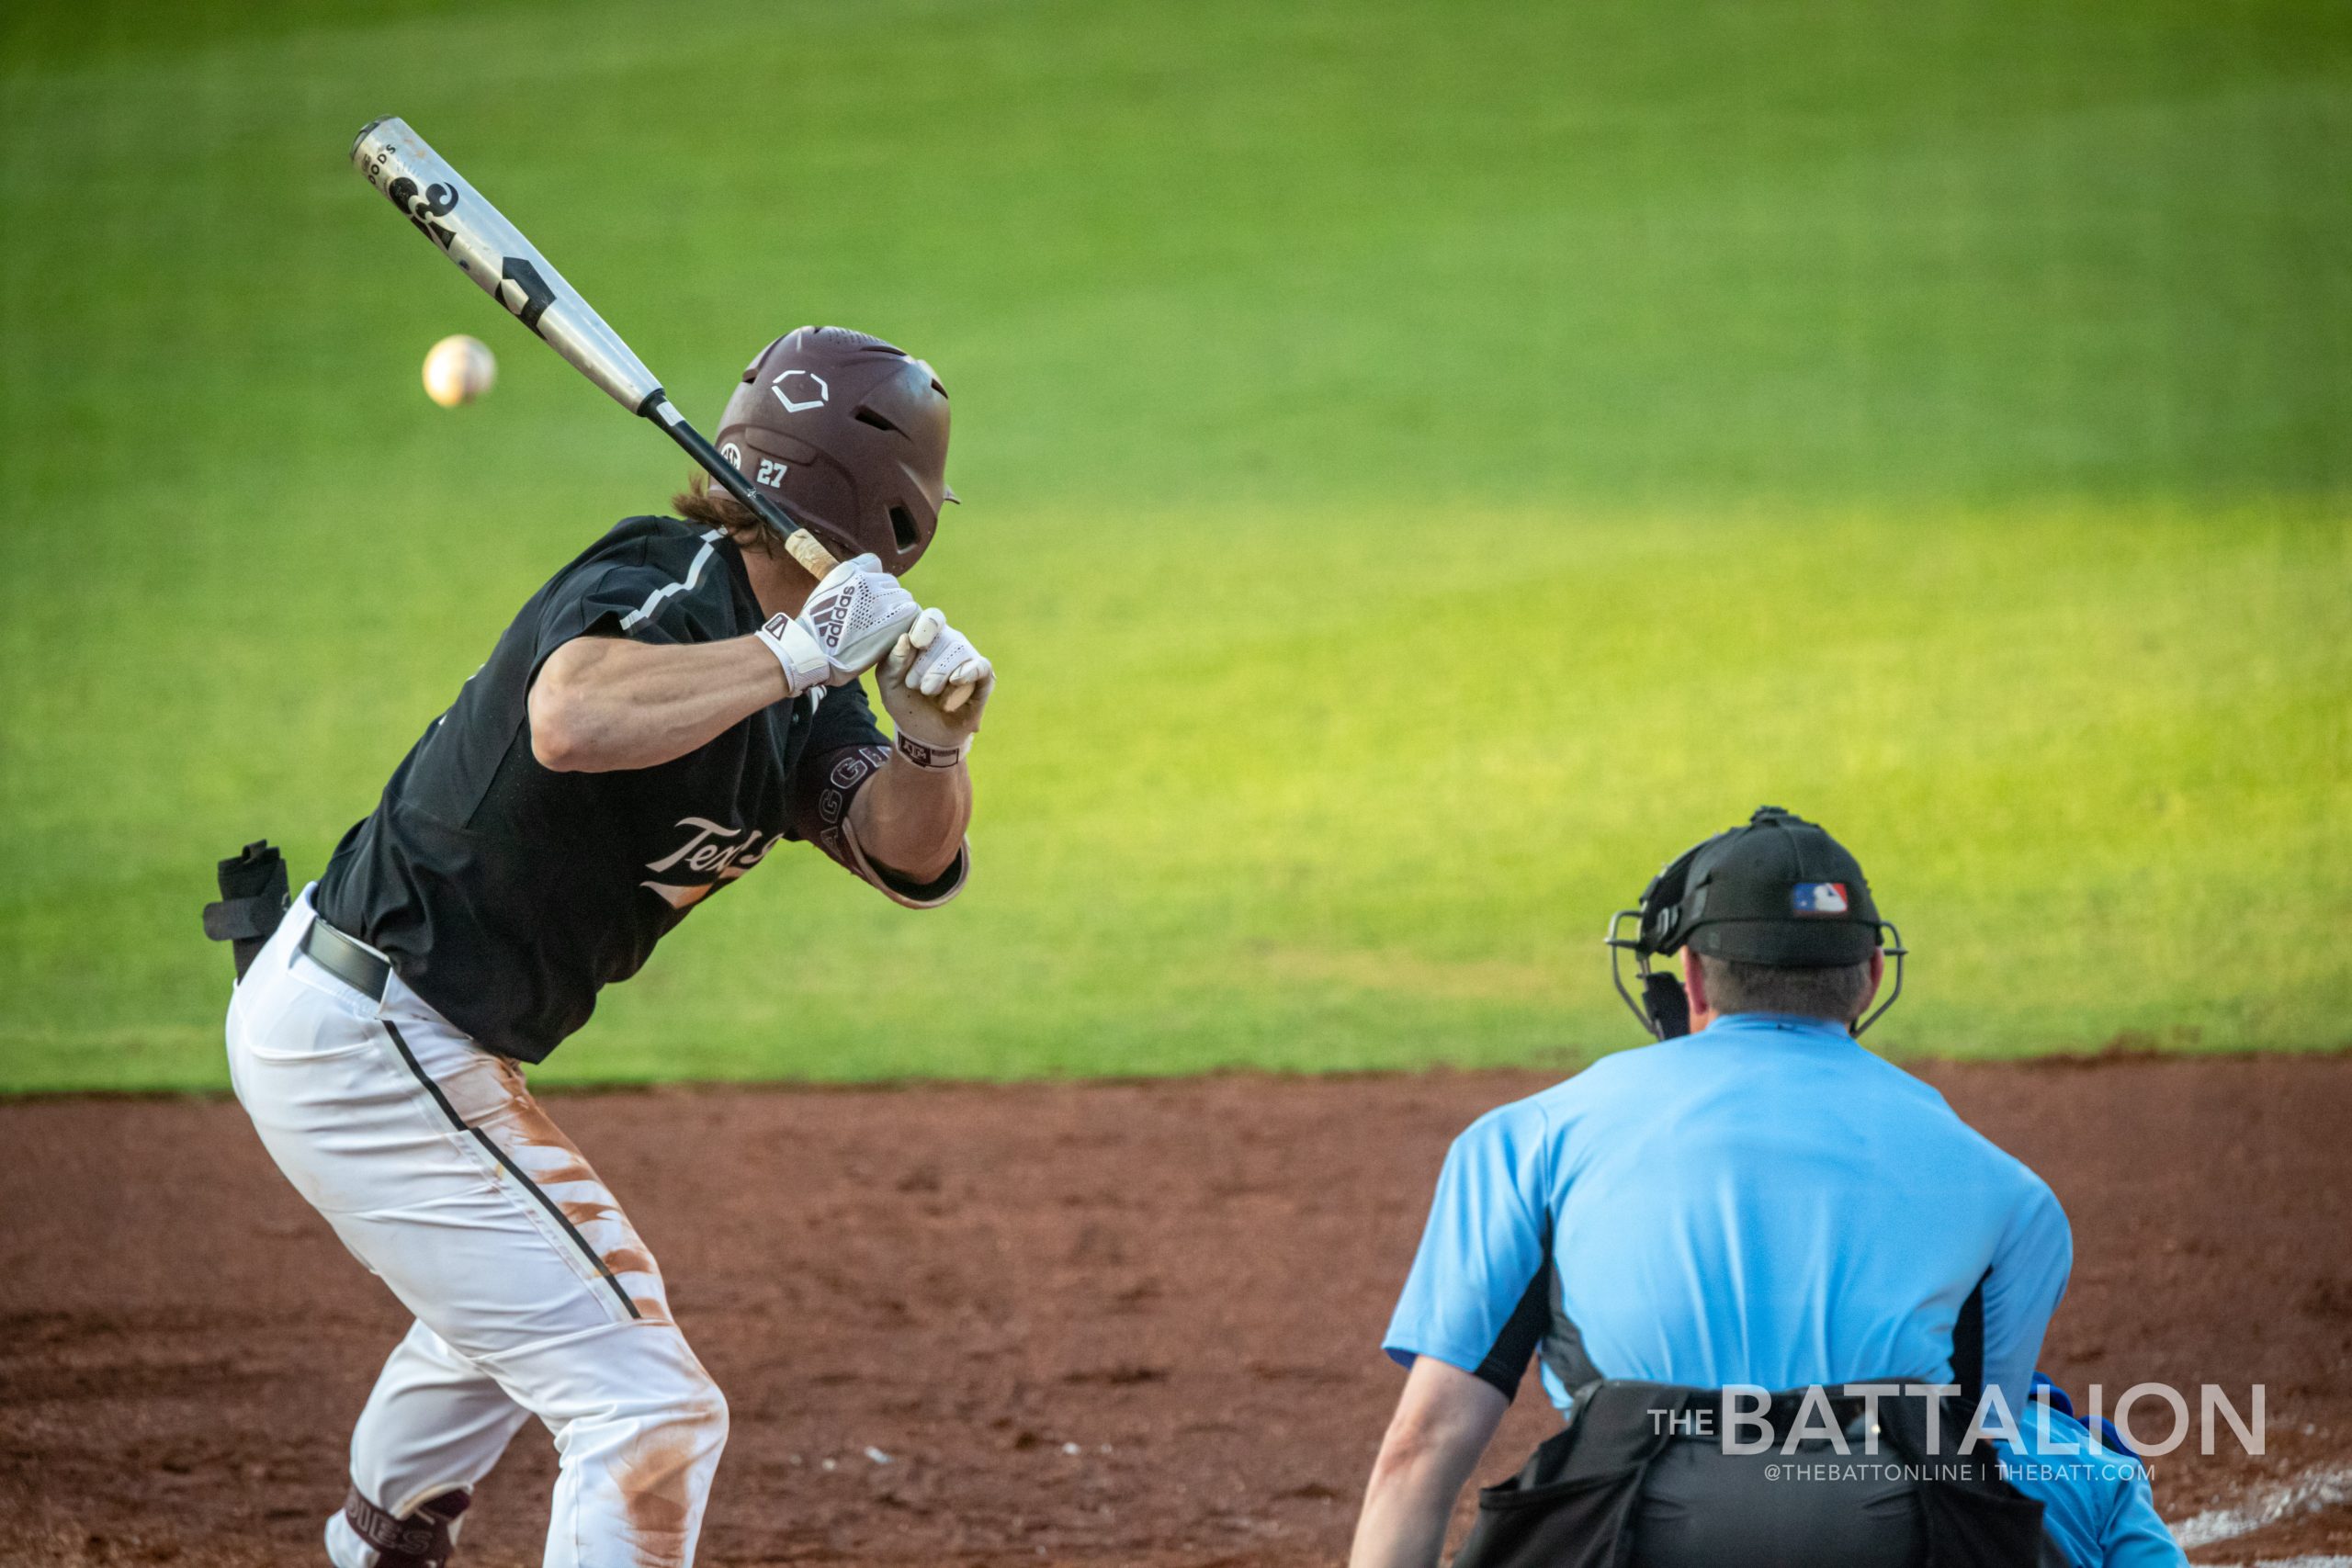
1425, 465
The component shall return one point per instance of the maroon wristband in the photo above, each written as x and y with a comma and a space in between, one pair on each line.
930, 757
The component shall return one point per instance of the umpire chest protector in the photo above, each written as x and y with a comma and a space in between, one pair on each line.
1598, 1493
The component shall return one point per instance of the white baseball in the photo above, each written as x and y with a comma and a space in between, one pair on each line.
457, 370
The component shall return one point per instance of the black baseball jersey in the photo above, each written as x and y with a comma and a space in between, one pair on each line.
505, 894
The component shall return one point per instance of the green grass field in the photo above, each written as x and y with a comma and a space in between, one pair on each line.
1425, 465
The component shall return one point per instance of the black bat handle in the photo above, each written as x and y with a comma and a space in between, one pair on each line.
803, 546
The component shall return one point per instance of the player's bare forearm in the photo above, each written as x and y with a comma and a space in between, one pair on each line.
1442, 1425
604, 704
912, 819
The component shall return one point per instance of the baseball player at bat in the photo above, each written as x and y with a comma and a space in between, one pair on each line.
675, 705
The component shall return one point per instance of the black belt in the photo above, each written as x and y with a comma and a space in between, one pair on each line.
356, 966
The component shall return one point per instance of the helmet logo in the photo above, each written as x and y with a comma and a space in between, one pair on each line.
1818, 898
734, 456
824, 392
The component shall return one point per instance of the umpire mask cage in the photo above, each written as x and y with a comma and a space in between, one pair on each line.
1778, 890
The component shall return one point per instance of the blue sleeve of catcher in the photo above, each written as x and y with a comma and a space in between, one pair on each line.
2096, 1500
2110, 1435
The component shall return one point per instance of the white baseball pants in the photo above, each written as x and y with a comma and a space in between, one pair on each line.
532, 1292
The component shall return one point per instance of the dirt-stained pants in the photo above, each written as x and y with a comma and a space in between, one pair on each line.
532, 1292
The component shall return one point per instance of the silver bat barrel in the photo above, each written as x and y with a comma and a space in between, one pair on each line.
494, 253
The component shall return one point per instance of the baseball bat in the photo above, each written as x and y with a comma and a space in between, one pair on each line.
510, 270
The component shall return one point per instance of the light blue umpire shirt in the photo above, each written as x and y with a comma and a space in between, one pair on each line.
1762, 1202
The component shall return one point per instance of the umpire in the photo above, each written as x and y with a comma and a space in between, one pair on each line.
668, 709
1761, 1203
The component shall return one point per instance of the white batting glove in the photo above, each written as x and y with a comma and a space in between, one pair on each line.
934, 684
852, 619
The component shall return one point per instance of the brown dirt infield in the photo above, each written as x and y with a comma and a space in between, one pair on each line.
1126, 1322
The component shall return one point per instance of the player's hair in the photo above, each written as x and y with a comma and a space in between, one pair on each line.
1837, 994
717, 509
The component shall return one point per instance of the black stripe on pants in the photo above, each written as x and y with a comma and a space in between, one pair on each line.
512, 1169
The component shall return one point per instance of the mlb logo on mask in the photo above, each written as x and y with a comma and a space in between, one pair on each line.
1818, 898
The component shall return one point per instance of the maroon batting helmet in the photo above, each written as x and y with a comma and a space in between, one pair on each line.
848, 434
